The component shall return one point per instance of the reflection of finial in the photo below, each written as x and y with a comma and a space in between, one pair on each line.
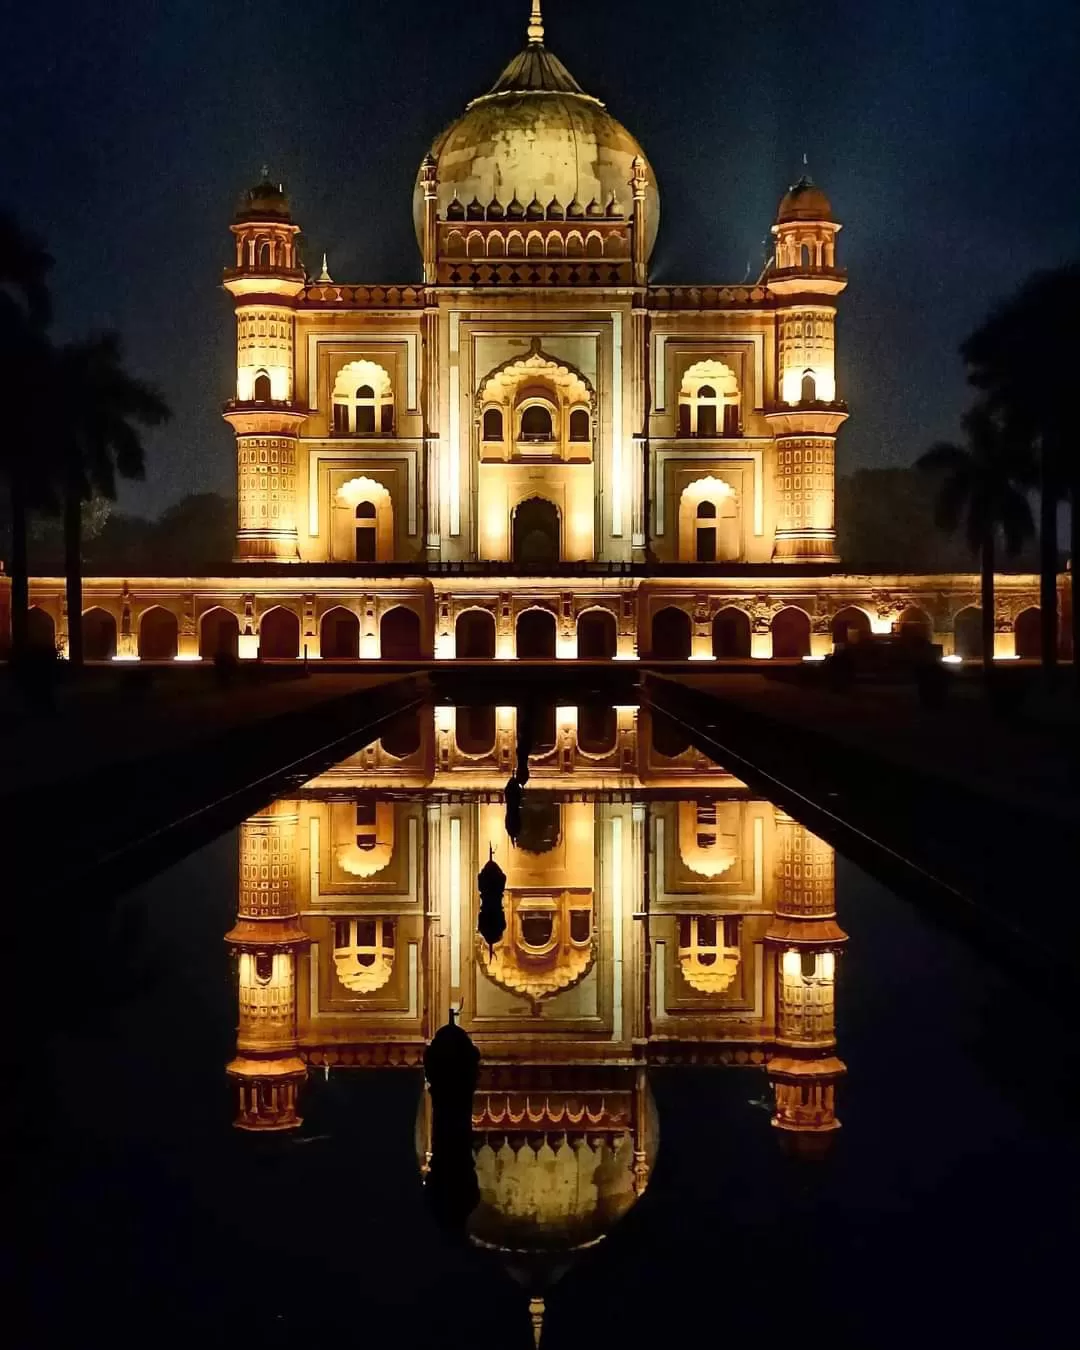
536, 1305
536, 25
266, 173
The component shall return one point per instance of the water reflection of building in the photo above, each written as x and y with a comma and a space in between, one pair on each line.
657, 914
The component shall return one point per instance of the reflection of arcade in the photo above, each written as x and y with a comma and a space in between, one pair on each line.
656, 914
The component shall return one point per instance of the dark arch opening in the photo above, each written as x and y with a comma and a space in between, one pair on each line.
579, 425
969, 643
598, 638
367, 533
475, 730
159, 635
99, 635
475, 635
671, 635
537, 533
537, 424
339, 635
263, 388
668, 737
850, 625
536, 635
598, 729
1029, 635
40, 631
915, 627
493, 425
219, 634
809, 387
791, 635
365, 413
399, 634
731, 635
402, 737
279, 635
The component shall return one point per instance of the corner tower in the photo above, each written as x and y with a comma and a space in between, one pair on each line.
265, 284
806, 413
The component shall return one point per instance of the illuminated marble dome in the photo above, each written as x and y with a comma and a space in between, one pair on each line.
538, 137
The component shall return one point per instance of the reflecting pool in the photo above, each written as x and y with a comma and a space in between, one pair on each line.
702, 1109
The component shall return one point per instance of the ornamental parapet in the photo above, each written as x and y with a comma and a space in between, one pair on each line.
322, 296
705, 297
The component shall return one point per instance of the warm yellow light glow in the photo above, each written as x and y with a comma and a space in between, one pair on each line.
504, 648
814, 659
445, 647
791, 964
953, 660
369, 648
824, 383
567, 718
506, 718
761, 646
445, 717
247, 646
880, 625
566, 648
826, 966
189, 658
126, 656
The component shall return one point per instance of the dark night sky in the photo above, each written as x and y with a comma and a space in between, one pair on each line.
946, 132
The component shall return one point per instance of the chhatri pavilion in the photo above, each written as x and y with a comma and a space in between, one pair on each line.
532, 451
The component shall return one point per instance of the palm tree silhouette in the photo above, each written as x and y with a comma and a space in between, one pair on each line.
1025, 358
982, 491
97, 412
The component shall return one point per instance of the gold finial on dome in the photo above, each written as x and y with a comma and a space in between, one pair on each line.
536, 25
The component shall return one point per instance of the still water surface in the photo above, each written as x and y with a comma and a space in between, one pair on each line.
731, 1086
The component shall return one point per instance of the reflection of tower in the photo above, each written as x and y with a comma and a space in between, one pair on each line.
805, 938
267, 938
264, 283
806, 415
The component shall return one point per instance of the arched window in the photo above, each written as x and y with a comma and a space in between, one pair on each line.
579, 425
279, 635
791, 634
809, 387
706, 411
537, 533
366, 533
493, 424
850, 625
706, 533
968, 634
537, 423
1029, 635
598, 638
536, 634
263, 391
731, 635
709, 401
400, 635
340, 635
475, 635
363, 401
475, 730
671, 635
159, 635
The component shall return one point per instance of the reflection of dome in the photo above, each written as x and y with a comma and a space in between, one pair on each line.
549, 946
364, 953
537, 136
556, 1195
805, 201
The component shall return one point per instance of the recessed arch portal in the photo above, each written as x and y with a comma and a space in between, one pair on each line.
536, 635
537, 532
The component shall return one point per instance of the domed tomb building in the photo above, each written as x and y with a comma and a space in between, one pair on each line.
531, 450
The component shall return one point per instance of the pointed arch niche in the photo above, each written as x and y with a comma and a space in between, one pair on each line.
363, 400
710, 522
709, 403
363, 528
537, 407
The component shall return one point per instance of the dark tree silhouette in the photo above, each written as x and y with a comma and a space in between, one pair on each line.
1024, 359
982, 491
96, 416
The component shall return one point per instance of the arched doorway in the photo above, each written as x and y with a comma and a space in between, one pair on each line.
731, 635
219, 634
399, 635
40, 631
791, 635
598, 638
339, 635
671, 635
159, 635
99, 635
537, 533
1029, 635
475, 635
705, 543
850, 625
968, 634
536, 635
915, 627
279, 635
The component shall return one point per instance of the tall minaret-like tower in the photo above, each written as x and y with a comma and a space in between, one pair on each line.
265, 283
805, 412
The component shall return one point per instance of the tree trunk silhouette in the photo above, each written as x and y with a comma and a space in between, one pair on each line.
73, 568
1048, 566
20, 567
988, 602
